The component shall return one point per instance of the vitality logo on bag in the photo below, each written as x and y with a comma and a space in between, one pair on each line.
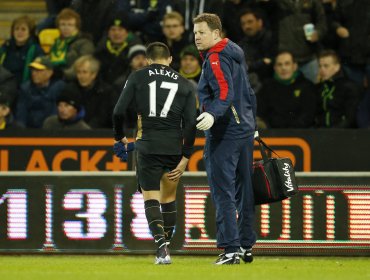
288, 182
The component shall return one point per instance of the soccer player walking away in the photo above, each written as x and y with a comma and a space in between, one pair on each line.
228, 116
165, 104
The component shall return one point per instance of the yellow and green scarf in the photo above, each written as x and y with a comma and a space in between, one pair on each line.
116, 51
59, 50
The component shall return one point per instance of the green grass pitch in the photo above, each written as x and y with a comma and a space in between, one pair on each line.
183, 268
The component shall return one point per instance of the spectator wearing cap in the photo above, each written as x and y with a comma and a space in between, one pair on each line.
71, 44
70, 112
21, 49
190, 64
8, 86
174, 36
98, 97
37, 98
137, 60
6, 116
137, 57
112, 51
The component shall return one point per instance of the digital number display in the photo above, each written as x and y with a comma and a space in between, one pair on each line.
16, 201
97, 213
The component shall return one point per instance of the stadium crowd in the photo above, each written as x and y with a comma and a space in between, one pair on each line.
309, 60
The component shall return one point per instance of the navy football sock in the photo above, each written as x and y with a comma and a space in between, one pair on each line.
169, 219
155, 221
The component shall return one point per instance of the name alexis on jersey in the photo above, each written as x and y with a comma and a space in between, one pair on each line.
163, 72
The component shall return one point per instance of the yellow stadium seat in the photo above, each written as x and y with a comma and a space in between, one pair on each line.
47, 38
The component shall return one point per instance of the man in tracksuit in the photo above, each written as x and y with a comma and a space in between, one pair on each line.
228, 106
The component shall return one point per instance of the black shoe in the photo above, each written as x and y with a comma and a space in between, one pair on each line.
232, 258
246, 255
163, 255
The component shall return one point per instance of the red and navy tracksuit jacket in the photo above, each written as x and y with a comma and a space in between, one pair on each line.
225, 92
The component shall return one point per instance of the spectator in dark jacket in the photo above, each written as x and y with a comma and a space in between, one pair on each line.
288, 19
174, 36
363, 113
190, 64
21, 49
98, 98
145, 16
70, 112
53, 8
338, 96
71, 44
6, 116
330, 39
231, 12
37, 98
95, 16
257, 45
8, 86
191, 67
137, 60
112, 51
353, 28
288, 100
190, 8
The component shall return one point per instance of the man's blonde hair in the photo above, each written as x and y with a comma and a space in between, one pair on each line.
174, 15
94, 63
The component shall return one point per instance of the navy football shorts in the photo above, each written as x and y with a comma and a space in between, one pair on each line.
150, 169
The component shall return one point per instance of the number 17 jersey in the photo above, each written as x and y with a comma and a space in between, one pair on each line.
165, 103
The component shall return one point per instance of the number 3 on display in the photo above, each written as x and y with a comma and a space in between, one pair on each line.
173, 87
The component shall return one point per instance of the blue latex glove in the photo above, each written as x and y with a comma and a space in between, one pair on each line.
120, 150
130, 147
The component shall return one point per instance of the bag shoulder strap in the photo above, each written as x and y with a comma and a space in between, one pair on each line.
263, 146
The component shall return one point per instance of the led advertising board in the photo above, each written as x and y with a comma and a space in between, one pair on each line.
102, 212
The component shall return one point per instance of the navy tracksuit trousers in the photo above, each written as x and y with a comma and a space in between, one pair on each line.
229, 170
